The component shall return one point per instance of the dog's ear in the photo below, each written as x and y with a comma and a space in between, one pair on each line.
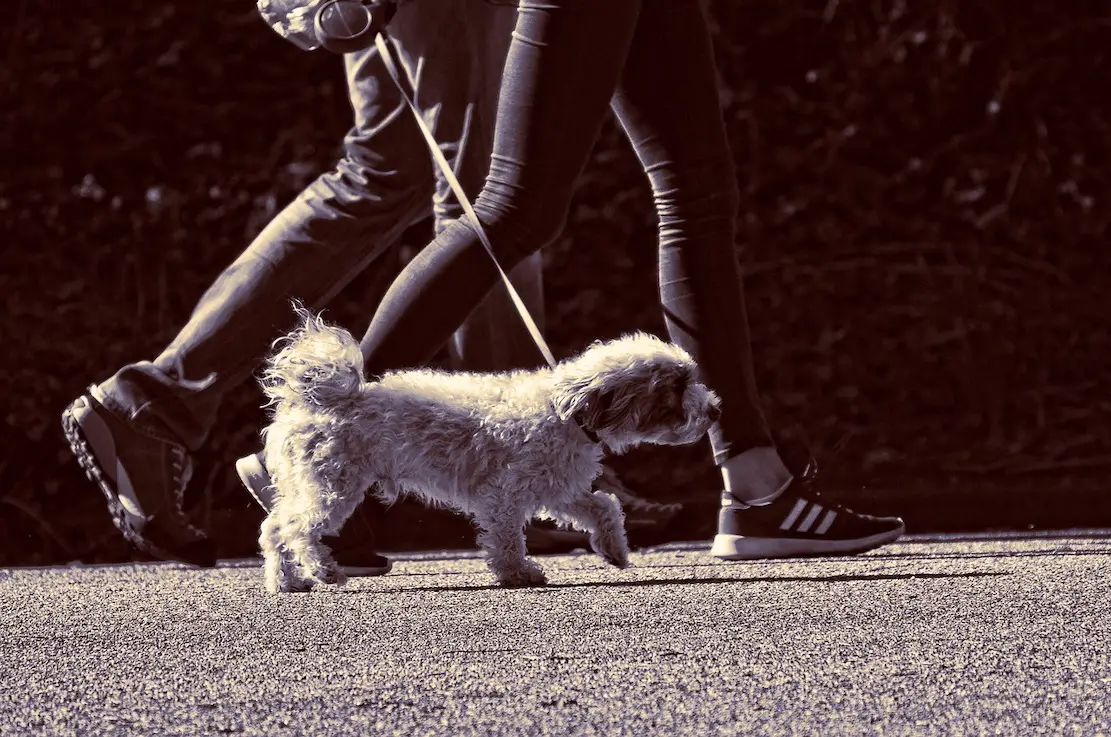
665, 401
596, 400
616, 405
583, 398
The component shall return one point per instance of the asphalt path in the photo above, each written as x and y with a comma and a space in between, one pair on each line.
980, 635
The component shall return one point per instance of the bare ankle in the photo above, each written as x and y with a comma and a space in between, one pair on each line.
756, 476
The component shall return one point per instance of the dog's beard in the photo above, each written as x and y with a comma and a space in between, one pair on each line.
682, 436
620, 439
652, 419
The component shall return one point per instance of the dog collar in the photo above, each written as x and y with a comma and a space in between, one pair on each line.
590, 434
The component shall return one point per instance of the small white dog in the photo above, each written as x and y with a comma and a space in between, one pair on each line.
503, 448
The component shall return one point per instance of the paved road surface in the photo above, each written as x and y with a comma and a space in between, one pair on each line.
932, 636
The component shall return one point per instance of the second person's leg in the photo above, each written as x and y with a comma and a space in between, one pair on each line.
458, 84
564, 62
667, 102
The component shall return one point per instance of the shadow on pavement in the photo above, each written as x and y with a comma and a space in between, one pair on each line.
694, 581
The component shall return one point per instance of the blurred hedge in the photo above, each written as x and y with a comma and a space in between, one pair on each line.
923, 231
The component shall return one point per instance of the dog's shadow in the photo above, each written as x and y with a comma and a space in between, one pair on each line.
837, 578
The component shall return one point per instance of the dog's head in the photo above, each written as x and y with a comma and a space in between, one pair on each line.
636, 389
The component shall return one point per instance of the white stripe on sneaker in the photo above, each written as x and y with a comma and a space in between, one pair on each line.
824, 527
810, 517
794, 514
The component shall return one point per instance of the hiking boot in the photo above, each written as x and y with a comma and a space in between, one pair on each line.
548, 538
356, 557
141, 475
799, 523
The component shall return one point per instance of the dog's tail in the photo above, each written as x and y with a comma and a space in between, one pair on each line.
316, 364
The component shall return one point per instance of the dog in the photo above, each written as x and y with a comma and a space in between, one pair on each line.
503, 448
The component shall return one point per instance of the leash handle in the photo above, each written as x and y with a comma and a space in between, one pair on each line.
393, 66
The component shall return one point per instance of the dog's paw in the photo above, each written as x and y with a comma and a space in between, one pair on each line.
300, 585
614, 550
522, 577
618, 561
333, 575
288, 585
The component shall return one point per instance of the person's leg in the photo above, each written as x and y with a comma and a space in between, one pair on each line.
668, 105
132, 432
494, 337
322, 239
564, 62
457, 85
680, 139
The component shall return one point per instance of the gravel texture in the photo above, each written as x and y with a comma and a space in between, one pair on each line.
945, 636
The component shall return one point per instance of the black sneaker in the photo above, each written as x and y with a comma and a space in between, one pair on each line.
799, 523
356, 557
143, 478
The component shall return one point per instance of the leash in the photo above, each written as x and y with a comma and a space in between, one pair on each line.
393, 66
389, 56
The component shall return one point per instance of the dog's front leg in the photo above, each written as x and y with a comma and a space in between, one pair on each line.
599, 514
503, 540
281, 573
315, 559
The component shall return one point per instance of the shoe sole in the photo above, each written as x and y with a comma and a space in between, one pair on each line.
739, 547
121, 518
254, 477
252, 474
367, 571
543, 541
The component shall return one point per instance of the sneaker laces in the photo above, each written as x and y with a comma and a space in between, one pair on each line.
182, 465
808, 479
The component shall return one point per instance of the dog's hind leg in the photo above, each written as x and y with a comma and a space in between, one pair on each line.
599, 514
503, 540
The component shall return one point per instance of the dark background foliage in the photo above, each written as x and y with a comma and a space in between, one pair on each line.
924, 224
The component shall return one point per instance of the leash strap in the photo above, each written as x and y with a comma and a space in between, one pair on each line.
393, 66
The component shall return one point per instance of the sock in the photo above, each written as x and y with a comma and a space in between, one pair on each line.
756, 477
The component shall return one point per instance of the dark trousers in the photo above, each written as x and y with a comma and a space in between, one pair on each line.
651, 62
349, 220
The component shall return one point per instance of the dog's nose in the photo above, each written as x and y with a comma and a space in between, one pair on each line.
714, 412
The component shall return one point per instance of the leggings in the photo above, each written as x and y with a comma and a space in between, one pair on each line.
651, 61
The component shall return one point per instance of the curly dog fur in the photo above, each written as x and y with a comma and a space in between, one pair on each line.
503, 448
